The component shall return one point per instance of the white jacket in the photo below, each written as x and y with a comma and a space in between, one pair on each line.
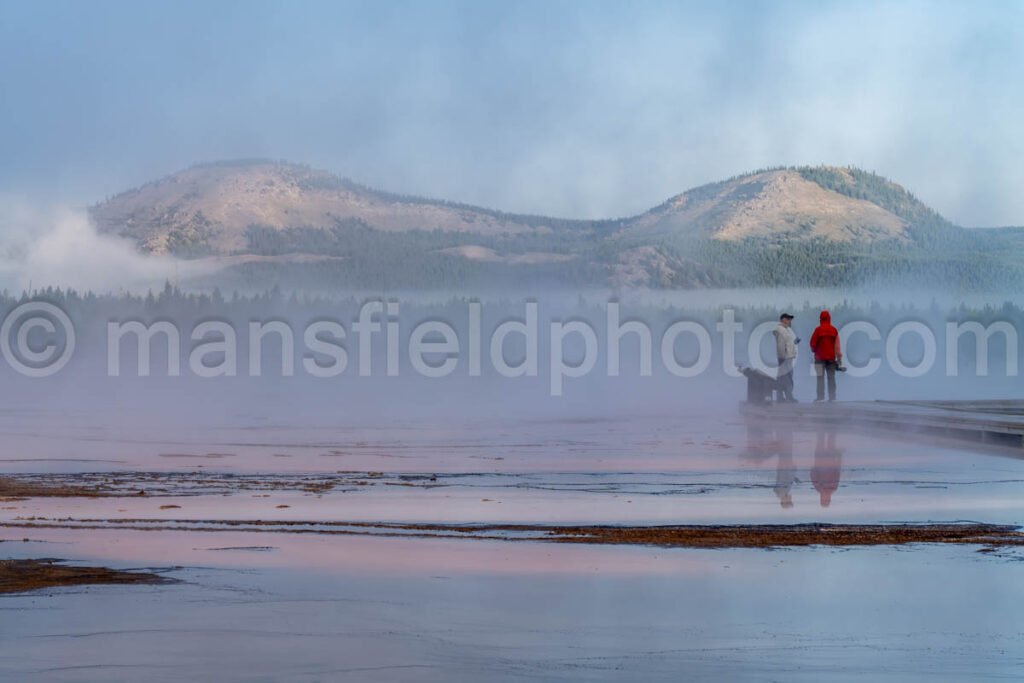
785, 342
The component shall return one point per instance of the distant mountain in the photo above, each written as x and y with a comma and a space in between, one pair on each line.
208, 209
778, 204
274, 223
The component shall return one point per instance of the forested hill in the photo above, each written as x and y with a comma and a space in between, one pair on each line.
262, 223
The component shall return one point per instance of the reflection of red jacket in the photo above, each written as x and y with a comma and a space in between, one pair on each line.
825, 340
826, 481
827, 468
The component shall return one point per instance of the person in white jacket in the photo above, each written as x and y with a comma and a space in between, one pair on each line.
785, 347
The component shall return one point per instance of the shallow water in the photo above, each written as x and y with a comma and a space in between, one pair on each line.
699, 469
311, 609
265, 605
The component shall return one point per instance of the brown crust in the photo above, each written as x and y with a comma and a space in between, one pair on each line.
696, 536
18, 576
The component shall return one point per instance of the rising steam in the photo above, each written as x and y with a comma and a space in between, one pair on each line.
59, 247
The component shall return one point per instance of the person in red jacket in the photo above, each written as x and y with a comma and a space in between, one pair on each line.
828, 355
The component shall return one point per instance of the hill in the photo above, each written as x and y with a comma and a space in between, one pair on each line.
209, 209
776, 205
278, 223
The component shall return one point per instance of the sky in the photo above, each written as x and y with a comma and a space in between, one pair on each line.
575, 109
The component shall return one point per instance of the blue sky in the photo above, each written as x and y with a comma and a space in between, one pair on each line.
583, 109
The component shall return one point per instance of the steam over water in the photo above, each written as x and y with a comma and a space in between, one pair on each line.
365, 436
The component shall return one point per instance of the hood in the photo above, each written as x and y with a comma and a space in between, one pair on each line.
825, 317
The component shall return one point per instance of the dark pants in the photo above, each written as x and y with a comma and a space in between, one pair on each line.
821, 369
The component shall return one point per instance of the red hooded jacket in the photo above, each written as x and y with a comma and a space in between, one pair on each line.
825, 340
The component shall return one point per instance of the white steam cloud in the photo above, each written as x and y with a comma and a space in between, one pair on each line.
58, 246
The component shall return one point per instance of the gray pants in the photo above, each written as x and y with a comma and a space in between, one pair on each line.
823, 368
784, 379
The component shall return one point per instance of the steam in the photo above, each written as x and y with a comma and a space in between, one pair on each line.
59, 247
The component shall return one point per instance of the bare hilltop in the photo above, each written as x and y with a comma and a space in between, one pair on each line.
277, 221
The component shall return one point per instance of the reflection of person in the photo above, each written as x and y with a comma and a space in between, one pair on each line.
785, 352
763, 444
828, 355
785, 470
828, 463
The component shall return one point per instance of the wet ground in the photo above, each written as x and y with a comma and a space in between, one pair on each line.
217, 508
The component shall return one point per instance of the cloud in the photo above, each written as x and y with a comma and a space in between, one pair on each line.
59, 247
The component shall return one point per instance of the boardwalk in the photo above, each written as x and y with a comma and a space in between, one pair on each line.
997, 422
